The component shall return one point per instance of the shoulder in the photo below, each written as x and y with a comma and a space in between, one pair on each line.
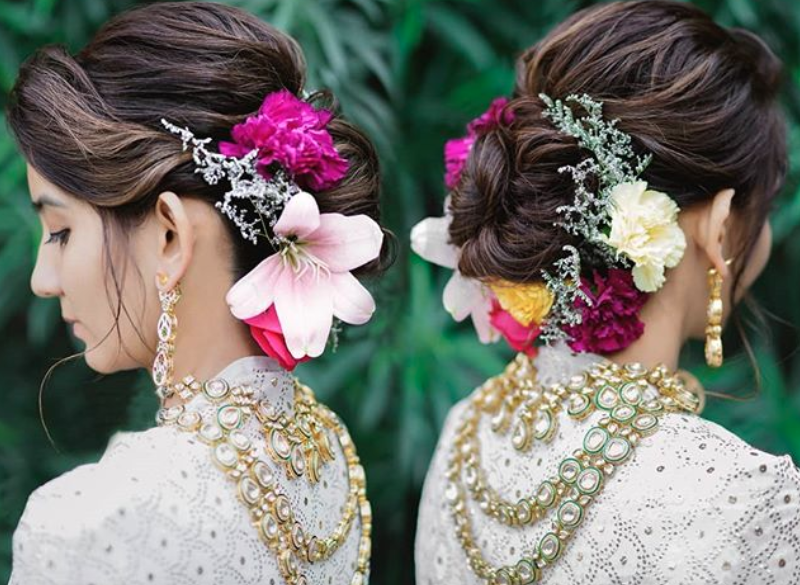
739, 507
740, 478
93, 522
697, 443
133, 469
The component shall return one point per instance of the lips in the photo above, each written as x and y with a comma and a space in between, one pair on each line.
72, 324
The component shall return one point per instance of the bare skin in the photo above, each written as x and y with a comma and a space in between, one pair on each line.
182, 239
677, 312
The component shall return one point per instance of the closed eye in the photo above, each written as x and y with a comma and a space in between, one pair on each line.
61, 237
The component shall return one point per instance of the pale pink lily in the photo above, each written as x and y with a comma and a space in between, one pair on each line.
463, 297
309, 280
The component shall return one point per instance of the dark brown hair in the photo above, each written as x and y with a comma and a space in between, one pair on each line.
90, 123
701, 99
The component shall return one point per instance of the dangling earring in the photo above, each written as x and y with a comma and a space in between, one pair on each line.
714, 313
163, 367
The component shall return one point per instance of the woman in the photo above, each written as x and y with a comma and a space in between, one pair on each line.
615, 207
200, 210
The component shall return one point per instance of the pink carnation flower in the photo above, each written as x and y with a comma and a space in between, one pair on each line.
612, 322
456, 151
518, 336
292, 134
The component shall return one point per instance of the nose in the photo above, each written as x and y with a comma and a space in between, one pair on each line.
45, 281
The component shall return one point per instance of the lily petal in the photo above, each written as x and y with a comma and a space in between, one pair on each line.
481, 319
300, 216
305, 310
352, 303
345, 242
253, 293
461, 295
430, 239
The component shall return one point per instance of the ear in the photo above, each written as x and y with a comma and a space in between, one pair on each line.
176, 240
713, 230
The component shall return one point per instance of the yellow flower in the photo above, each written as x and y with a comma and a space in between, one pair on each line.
527, 303
644, 227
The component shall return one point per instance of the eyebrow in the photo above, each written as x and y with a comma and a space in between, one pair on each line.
46, 200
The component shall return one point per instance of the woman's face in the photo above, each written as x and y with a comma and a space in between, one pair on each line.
71, 266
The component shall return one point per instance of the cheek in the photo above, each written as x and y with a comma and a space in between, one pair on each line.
82, 280
91, 293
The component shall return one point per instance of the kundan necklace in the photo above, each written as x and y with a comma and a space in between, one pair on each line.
300, 444
521, 407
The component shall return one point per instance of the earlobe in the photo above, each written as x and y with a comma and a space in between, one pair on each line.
175, 240
715, 230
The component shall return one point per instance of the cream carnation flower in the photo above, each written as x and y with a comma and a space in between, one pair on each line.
644, 227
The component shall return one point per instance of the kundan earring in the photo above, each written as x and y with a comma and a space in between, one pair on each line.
163, 368
714, 314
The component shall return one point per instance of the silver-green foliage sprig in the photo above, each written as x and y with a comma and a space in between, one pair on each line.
611, 163
267, 196
565, 287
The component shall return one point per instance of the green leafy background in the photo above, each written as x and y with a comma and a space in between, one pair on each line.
411, 73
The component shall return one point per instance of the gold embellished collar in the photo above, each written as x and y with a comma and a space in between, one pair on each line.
259, 377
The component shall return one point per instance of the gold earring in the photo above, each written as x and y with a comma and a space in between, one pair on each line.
714, 314
163, 368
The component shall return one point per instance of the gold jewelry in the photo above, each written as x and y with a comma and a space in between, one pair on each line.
163, 365
713, 349
299, 444
271, 511
620, 392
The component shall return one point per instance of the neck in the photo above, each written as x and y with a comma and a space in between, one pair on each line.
662, 338
209, 338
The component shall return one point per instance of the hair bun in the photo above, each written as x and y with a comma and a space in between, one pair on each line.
504, 209
766, 69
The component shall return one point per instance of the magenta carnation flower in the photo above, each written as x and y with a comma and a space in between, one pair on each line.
291, 134
612, 322
496, 115
457, 150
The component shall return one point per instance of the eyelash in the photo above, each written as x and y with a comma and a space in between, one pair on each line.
61, 236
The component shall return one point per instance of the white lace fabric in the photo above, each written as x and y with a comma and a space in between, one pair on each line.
694, 505
156, 510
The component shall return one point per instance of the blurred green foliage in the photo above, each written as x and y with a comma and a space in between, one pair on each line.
411, 73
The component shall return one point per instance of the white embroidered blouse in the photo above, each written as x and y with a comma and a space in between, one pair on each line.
156, 510
695, 505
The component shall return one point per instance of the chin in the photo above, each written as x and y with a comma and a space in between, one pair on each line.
109, 360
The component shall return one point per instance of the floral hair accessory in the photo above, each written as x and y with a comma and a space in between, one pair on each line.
521, 338
309, 280
275, 154
289, 134
610, 315
644, 228
628, 231
291, 298
527, 303
456, 151
463, 297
